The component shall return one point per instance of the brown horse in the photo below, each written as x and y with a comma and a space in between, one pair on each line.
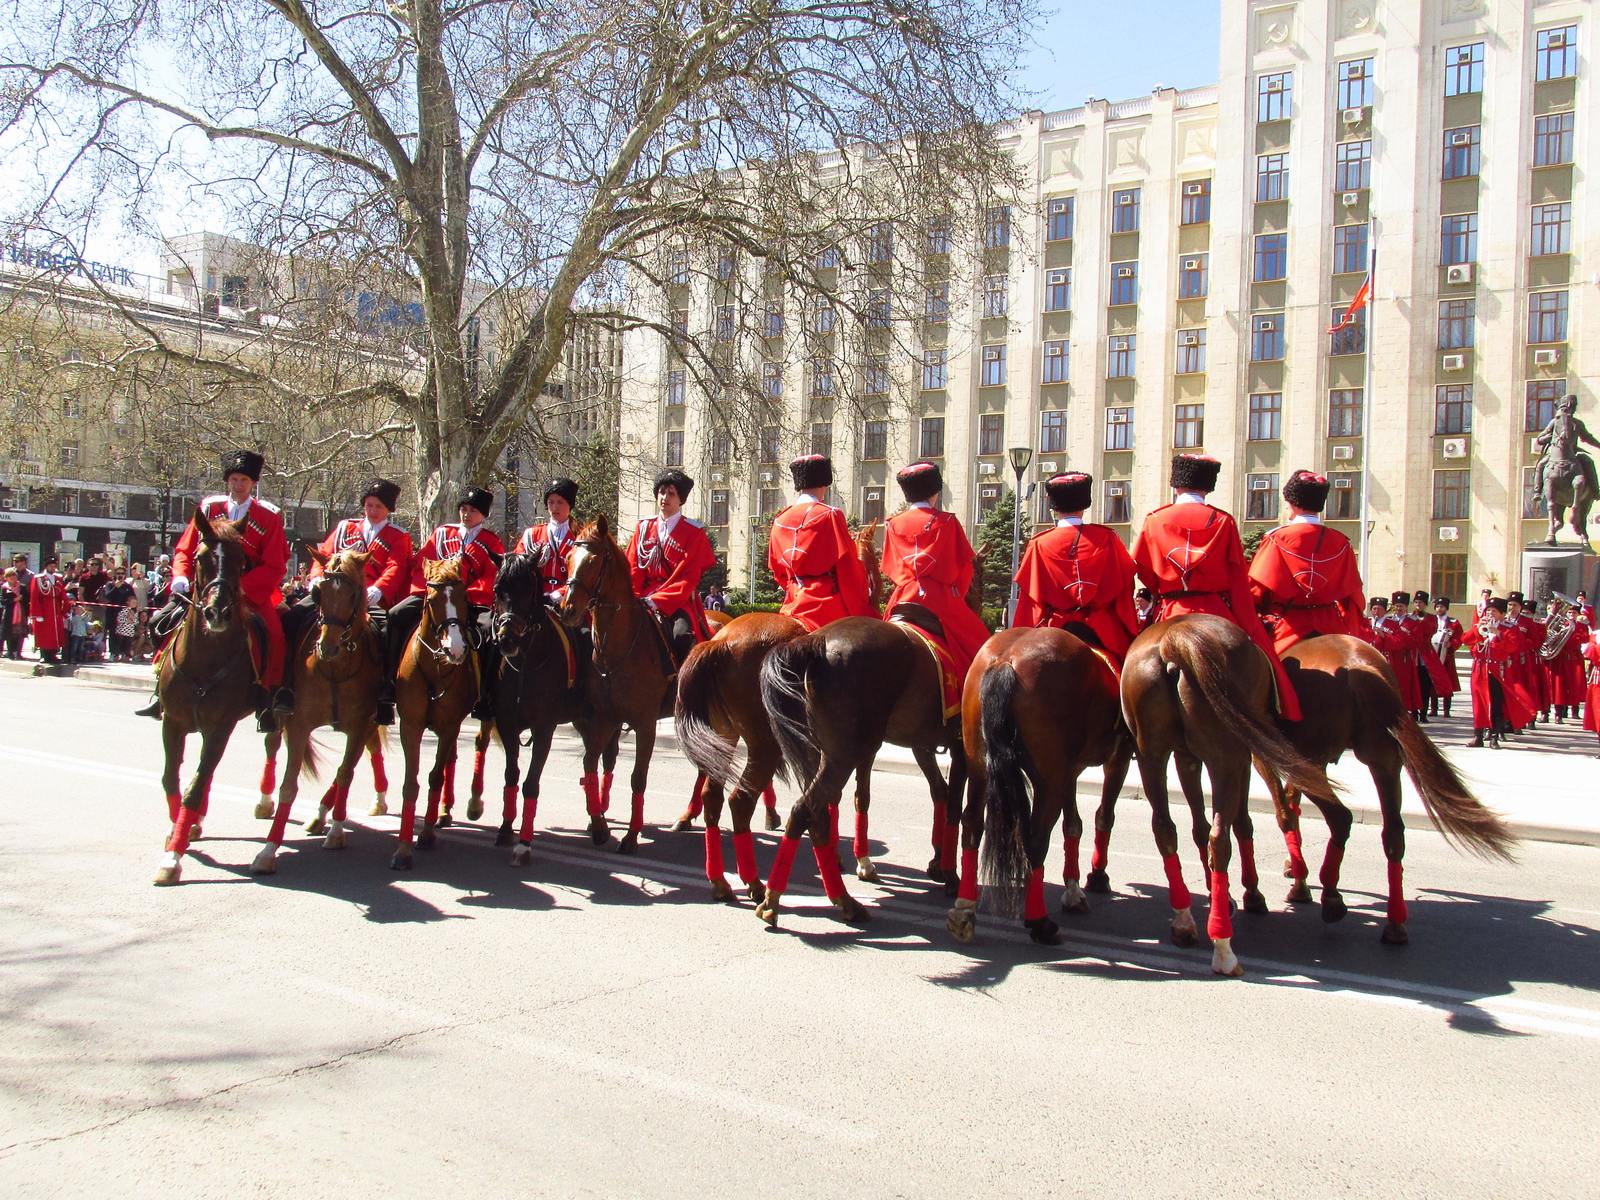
266, 806
206, 682
337, 670
1196, 687
1353, 691
634, 679
436, 685
1038, 708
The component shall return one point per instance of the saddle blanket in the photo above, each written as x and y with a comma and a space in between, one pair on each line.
950, 680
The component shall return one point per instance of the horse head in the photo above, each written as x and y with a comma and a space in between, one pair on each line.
596, 572
445, 605
518, 601
218, 564
341, 596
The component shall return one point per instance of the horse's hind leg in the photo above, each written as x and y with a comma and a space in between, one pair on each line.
644, 743
1072, 898
1386, 777
862, 846
539, 740
769, 799
945, 832
812, 811
1192, 784
508, 792
1153, 777
380, 776
266, 859
1051, 798
1230, 788
1105, 817
480, 751
742, 809
1339, 821
269, 776
1244, 832
697, 803
711, 796
212, 744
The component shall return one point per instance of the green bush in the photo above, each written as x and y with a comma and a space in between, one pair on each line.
992, 616
738, 608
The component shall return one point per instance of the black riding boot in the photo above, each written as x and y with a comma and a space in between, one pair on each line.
153, 709
1477, 738
488, 666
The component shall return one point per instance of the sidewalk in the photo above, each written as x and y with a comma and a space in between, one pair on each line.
1543, 784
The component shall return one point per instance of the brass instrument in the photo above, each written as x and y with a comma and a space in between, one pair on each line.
1441, 642
1488, 624
1558, 626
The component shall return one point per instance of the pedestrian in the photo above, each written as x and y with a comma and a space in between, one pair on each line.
47, 611
93, 580
139, 581
122, 633
13, 614
714, 600
144, 648
77, 626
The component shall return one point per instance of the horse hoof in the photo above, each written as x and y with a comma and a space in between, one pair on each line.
962, 921
1043, 931
951, 885
683, 824
1333, 907
1394, 935
335, 840
266, 862
1183, 932
380, 806
474, 808
316, 827
865, 871
629, 843
1223, 960
1299, 892
264, 808
167, 876
1254, 901
522, 856
774, 822
503, 836
851, 910
757, 891
720, 890
401, 861
767, 910
196, 832
935, 870
599, 831
1098, 883
1073, 900
445, 820
427, 838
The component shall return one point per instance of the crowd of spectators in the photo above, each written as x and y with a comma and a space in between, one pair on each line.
108, 607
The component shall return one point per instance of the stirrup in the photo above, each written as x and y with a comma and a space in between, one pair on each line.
153, 709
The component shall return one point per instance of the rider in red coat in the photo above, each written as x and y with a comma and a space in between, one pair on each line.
1077, 576
47, 611
812, 556
1304, 576
551, 540
1497, 705
928, 559
1189, 553
666, 557
1444, 649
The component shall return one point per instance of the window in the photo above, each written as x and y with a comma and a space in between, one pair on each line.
1355, 83
1462, 151
935, 370
1449, 575
1121, 356
69, 456
1551, 231
1266, 338
991, 429
1541, 403
771, 446
71, 408
1273, 96
1052, 431
1352, 339
1555, 53
931, 442
872, 504
69, 503
1349, 249
1456, 324
719, 508
1452, 408
1272, 257
1266, 417
875, 376
825, 317
1458, 238
880, 309
822, 437
1547, 317
996, 295
678, 268
677, 388
680, 325
725, 265
936, 304
1194, 276
1261, 497
994, 367
1125, 211
772, 380
1058, 290
880, 242
1344, 497
1272, 177
772, 321
1124, 283
1189, 426
1352, 166
1451, 496
721, 449
828, 260
1195, 208
875, 442
1116, 508
1552, 140
1463, 70
673, 454
939, 234
1059, 215
767, 502
1119, 429
997, 227
822, 382
1056, 362
725, 323
1191, 356
1344, 412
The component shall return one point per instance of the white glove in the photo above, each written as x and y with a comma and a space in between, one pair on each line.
374, 596
181, 586
650, 604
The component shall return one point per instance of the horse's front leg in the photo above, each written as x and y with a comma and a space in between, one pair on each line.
599, 737
269, 776
354, 747
644, 742
506, 834
480, 751
1105, 817
411, 747
173, 740
266, 861
540, 737
380, 776
212, 744
439, 779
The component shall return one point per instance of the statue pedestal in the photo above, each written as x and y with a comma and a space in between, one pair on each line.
1568, 569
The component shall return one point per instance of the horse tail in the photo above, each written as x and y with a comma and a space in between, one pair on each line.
785, 674
310, 764
1007, 811
1187, 649
698, 694
1454, 810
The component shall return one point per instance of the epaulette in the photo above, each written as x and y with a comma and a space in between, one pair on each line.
221, 498
692, 521
268, 505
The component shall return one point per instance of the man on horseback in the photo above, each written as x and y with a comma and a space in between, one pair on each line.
1078, 576
1304, 576
266, 551
811, 554
480, 551
549, 542
1561, 440
927, 557
666, 557
1189, 552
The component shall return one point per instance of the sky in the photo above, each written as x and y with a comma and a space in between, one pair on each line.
1120, 49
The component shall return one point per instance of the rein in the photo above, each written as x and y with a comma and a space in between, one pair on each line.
595, 603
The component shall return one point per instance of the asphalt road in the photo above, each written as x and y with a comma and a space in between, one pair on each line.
594, 1025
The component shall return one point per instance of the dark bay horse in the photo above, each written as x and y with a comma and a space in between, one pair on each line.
1353, 691
336, 671
1198, 689
1039, 707
206, 682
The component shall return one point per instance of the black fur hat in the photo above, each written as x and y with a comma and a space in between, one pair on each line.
243, 462
1378, 602
1420, 596
563, 487
1307, 490
1400, 599
811, 471
1194, 473
1499, 605
678, 480
1517, 596
1070, 492
385, 491
919, 481
481, 499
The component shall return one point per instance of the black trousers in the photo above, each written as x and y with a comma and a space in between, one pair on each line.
680, 633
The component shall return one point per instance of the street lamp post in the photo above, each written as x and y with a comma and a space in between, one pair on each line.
1020, 456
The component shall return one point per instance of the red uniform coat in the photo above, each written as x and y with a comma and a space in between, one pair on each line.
1079, 573
1449, 682
553, 564
1396, 639
266, 550
47, 611
666, 569
480, 559
1189, 555
1423, 626
1495, 656
1591, 704
813, 558
1306, 576
1529, 668
1565, 674
927, 557
389, 568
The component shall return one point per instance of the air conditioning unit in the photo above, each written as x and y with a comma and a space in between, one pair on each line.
874, 493
1454, 448
1275, 85
1125, 198
1194, 189
1119, 343
1461, 138
1115, 489
30, 468
1188, 337
1266, 325
1261, 485
1343, 485
1557, 40
1547, 357
1124, 272
985, 468
1353, 116
1449, 533
1350, 199
718, 477
1343, 453
1454, 362
1049, 467
1191, 264
991, 492
1458, 273
767, 477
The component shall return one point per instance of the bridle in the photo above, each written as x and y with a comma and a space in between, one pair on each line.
439, 650
605, 552
350, 628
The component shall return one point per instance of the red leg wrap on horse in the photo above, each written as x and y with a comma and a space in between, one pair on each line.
1397, 894
477, 771
1102, 846
591, 794
1247, 863
605, 791
778, 881
329, 796
508, 803
269, 777
968, 889
1069, 869
636, 818
713, 853
280, 822
1033, 905
1297, 858
697, 801
769, 797
449, 789
941, 822
1220, 923
174, 802
1331, 863
1176, 887
408, 824
380, 777
530, 809
744, 856
180, 833
341, 800
860, 846
433, 806
828, 868
952, 842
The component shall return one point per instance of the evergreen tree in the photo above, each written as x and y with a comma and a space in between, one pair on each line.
996, 530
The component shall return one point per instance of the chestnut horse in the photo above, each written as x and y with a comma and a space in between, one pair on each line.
1353, 691
1039, 707
336, 670
1196, 687
205, 683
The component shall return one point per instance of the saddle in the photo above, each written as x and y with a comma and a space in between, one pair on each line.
920, 616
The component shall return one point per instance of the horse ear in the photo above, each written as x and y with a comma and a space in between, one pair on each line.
202, 523
317, 554
602, 526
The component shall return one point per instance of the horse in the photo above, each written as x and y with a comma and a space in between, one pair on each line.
1039, 707
1565, 484
1196, 687
1352, 688
337, 671
634, 679
206, 683
266, 806
436, 684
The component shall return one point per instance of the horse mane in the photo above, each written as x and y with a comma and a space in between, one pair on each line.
516, 568
590, 531
230, 533
350, 563
447, 570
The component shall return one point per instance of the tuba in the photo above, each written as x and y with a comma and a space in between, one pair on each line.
1558, 626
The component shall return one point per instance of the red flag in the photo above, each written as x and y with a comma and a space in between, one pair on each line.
1363, 295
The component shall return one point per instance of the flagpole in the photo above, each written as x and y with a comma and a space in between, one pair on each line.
1366, 391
